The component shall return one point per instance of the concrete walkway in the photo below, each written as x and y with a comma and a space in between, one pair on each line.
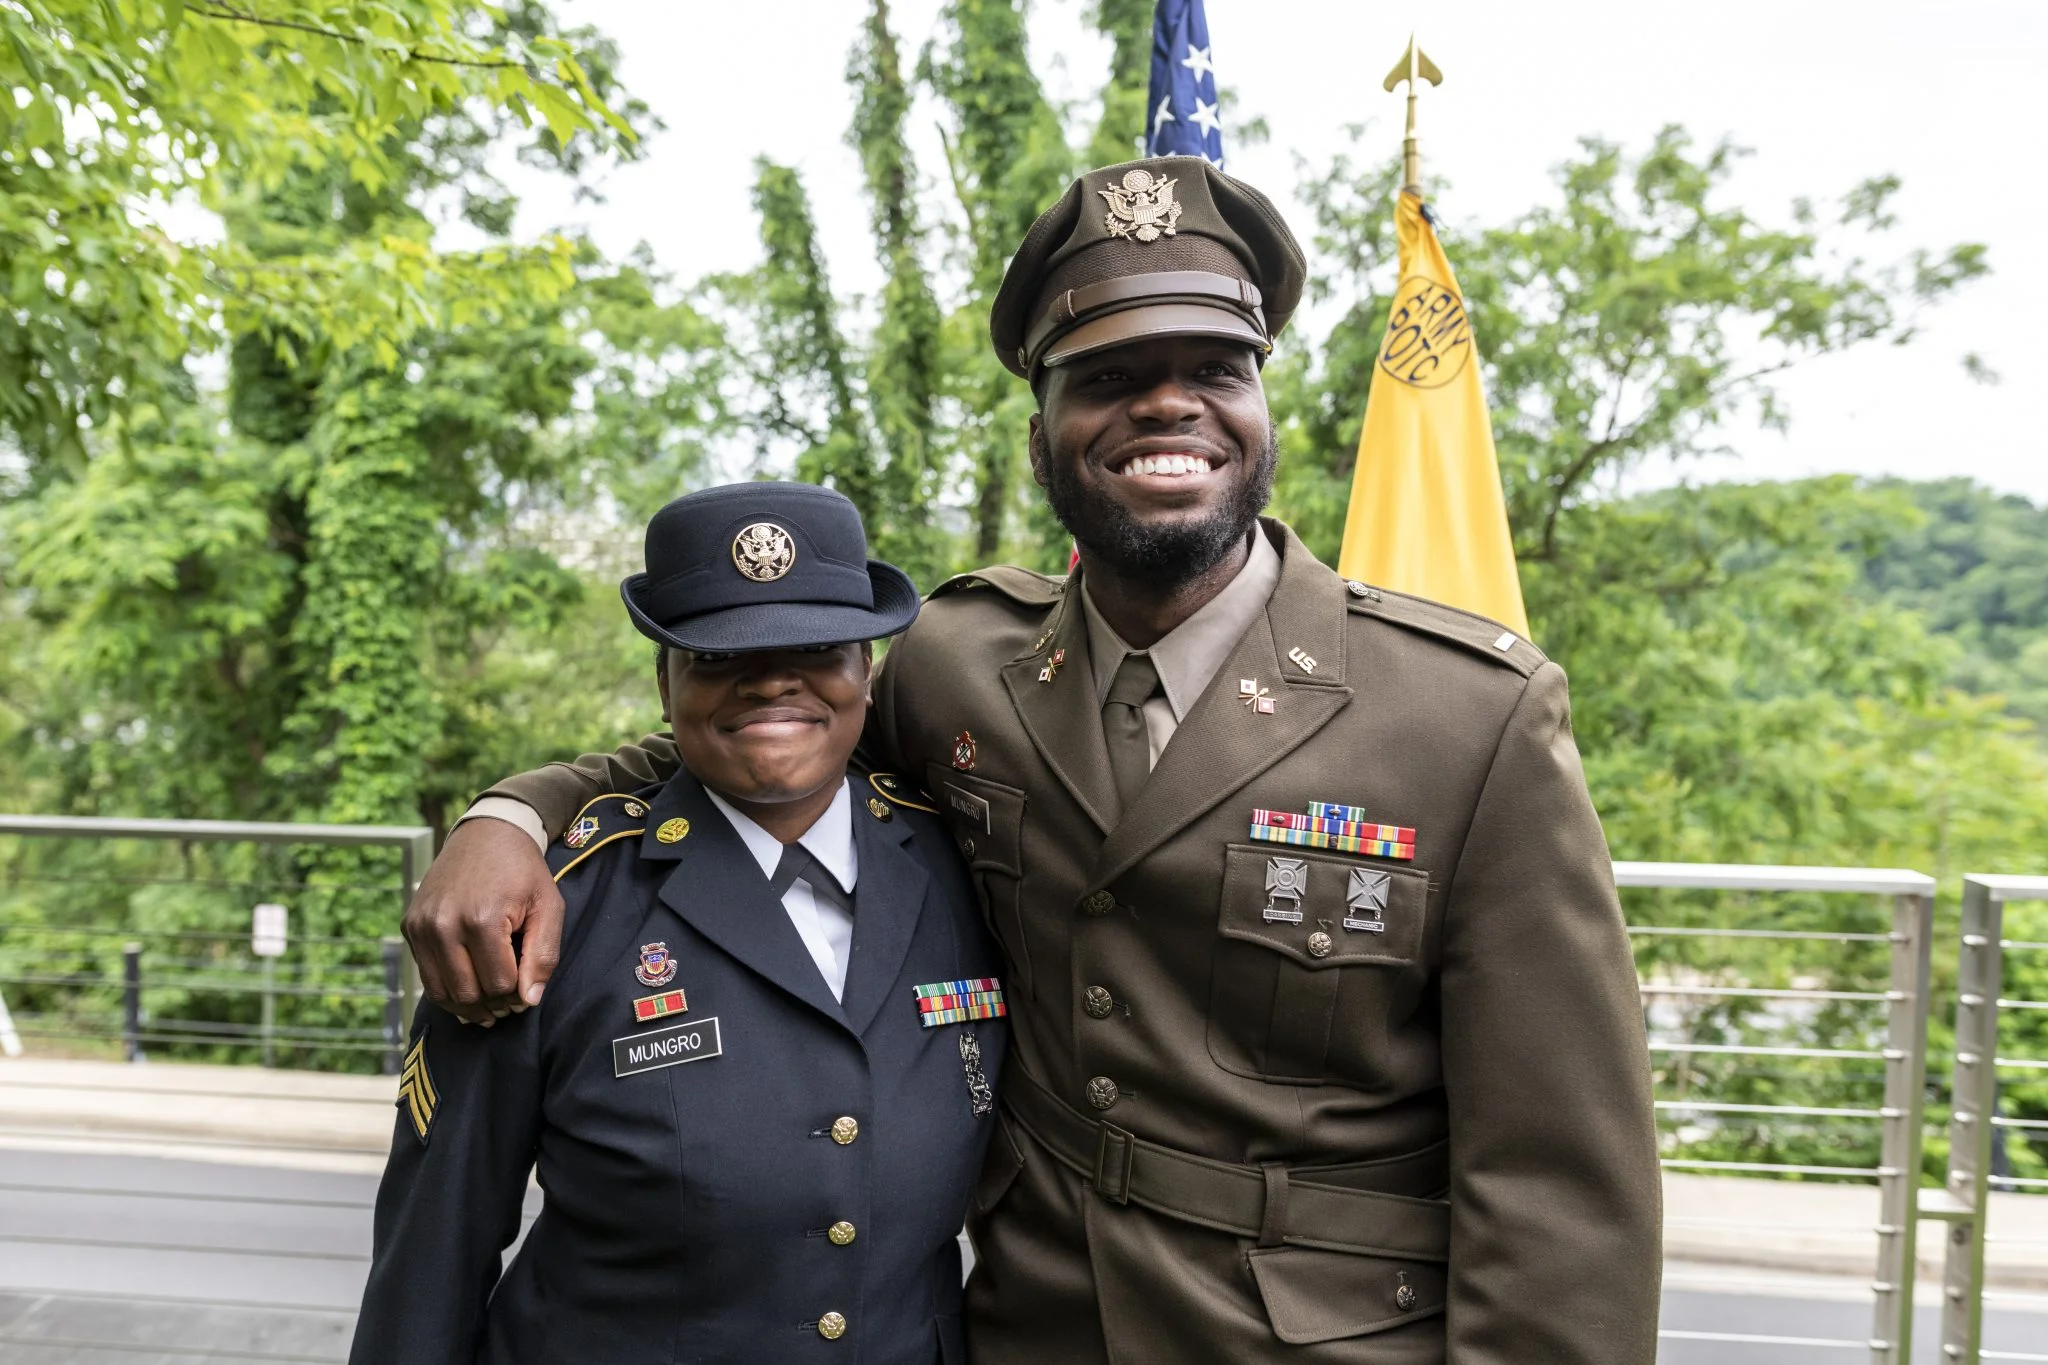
316, 1121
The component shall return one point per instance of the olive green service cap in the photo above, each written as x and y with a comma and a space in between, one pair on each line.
1167, 246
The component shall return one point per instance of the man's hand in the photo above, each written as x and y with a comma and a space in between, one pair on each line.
488, 884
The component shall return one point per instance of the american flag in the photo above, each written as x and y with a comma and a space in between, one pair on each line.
1181, 118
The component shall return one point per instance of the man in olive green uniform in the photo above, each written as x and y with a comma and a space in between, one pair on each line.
1326, 1039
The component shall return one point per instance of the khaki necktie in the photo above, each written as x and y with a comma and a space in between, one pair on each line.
1123, 725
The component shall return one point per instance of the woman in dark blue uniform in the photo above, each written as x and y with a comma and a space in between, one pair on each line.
758, 1089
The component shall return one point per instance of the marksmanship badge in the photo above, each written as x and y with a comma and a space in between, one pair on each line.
1366, 895
1286, 880
1144, 209
763, 552
656, 967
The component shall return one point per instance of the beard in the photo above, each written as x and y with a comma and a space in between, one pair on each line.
1164, 554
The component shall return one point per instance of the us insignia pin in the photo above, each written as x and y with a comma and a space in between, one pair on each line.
581, 832
417, 1098
649, 1007
1366, 896
1286, 880
656, 967
673, 831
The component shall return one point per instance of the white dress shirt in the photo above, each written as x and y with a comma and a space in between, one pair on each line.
825, 929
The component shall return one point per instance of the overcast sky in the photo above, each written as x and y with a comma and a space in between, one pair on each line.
1948, 96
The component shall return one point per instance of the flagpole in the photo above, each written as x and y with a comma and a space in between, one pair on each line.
1415, 67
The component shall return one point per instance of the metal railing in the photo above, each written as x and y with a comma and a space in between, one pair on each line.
1975, 1123
76, 963
1902, 1055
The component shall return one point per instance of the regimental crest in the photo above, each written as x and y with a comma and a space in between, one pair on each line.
1144, 208
763, 552
964, 750
656, 967
581, 832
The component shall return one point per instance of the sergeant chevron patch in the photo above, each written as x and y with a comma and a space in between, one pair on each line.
417, 1098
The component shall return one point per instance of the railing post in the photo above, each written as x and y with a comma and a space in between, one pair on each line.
131, 1002
394, 1003
417, 854
1980, 979
1905, 1098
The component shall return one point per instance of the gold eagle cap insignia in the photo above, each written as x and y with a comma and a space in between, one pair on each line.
763, 552
1143, 208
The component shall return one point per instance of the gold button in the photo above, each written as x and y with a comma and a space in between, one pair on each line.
879, 808
841, 1233
1319, 944
832, 1326
845, 1130
1098, 1002
1098, 903
1102, 1092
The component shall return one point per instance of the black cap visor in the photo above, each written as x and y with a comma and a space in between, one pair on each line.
783, 625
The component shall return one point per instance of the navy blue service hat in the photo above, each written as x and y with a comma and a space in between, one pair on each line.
1166, 246
751, 566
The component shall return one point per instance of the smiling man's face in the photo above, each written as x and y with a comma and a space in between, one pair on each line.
766, 728
1156, 456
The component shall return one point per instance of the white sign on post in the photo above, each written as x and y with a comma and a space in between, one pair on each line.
267, 931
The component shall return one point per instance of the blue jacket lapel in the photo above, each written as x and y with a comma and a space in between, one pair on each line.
888, 900
718, 890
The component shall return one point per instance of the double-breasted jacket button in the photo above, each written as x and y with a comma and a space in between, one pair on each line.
840, 1233
1099, 1003
845, 1129
1098, 903
1319, 944
832, 1326
1102, 1092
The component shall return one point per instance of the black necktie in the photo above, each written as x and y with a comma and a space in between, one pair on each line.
1123, 725
797, 862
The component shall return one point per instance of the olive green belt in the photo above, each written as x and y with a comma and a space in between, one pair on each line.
1338, 1208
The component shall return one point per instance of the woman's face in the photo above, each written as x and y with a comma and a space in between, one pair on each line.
768, 727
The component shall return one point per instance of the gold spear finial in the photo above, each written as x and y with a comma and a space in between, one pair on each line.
1414, 67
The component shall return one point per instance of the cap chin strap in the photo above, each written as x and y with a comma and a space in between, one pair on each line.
1166, 286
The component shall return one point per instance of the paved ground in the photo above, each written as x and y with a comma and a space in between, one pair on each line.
167, 1215
136, 1260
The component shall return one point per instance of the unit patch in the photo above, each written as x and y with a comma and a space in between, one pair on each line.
659, 1006
956, 1002
671, 1046
656, 967
417, 1098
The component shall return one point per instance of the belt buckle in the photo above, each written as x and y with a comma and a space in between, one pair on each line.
1113, 1164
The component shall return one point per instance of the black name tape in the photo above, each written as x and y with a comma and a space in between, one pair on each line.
672, 1046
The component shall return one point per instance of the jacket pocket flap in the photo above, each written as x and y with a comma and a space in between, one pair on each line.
986, 819
1279, 896
1314, 1295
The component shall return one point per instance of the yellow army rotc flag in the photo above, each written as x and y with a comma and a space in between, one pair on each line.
1427, 516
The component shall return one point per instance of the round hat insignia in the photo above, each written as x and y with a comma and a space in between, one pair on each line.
763, 552
1429, 340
